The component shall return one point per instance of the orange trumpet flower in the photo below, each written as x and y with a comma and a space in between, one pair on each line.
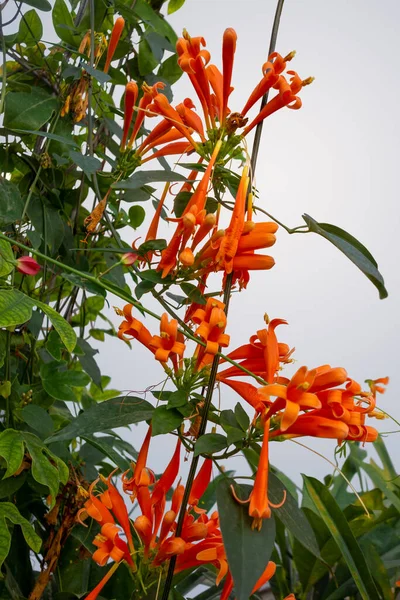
114, 39
166, 344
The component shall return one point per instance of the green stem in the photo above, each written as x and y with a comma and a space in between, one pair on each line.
215, 363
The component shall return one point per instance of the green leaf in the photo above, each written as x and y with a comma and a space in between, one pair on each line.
11, 204
143, 288
54, 345
165, 420
248, 550
174, 5
51, 136
177, 399
15, 308
63, 328
8, 487
242, 417
108, 451
291, 515
98, 75
39, 419
88, 164
193, 293
47, 468
39, 4
85, 284
29, 111
209, 443
146, 59
170, 70
9, 512
151, 245
12, 450
376, 477
136, 216
63, 23
334, 519
47, 222
59, 382
30, 29
158, 23
117, 412
152, 275
352, 248
6, 258
140, 178
87, 361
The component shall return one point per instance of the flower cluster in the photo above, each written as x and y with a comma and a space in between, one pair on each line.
151, 539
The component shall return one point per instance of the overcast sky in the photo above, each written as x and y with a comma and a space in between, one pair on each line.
335, 159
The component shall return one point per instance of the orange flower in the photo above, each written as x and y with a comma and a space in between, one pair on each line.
228, 53
166, 343
316, 426
292, 397
114, 39
212, 323
142, 476
262, 356
200, 484
259, 507
131, 95
265, 577
133, 327
148, 94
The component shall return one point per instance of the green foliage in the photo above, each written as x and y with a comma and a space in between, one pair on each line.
10, 514
248, 550
47, 468
352, 248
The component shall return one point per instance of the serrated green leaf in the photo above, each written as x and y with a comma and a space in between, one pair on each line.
165, 420
29, 111
11, 204
6, 258
209, 443
30, 29
140, 178
339, 528
248, 550
15, 308
352, 248
117, 412
9, 512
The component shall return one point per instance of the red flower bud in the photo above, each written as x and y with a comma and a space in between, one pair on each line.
28, 265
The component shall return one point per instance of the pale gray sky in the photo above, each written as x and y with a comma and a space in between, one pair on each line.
335, 159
